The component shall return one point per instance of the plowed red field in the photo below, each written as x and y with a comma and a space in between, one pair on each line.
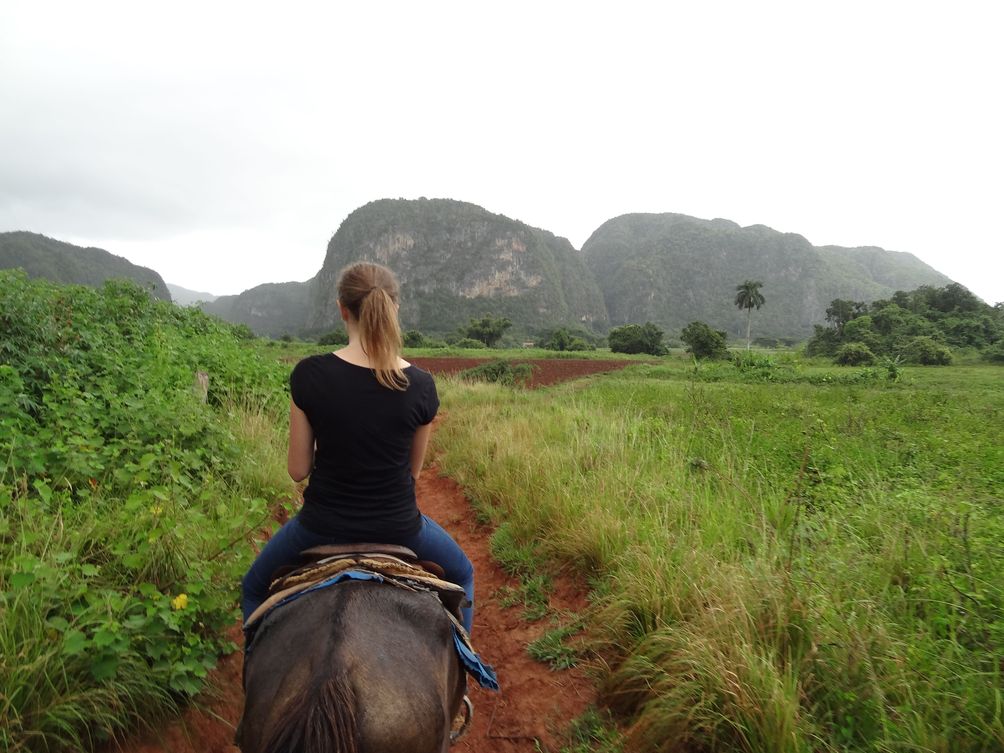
545, 371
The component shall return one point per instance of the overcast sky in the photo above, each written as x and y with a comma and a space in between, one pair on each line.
223, 143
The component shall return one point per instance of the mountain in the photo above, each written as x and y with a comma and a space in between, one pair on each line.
273, 309
54, 260
457, 260
185, 297
672, 269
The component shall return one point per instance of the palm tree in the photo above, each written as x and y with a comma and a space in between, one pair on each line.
749, 297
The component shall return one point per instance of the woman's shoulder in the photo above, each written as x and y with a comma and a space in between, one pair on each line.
312, 360
419, 379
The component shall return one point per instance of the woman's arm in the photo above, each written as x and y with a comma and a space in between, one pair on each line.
300, 458
418, 447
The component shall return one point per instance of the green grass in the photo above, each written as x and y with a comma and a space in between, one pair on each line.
552, 647
798, 566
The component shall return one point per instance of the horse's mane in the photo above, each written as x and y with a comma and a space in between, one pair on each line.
323, 721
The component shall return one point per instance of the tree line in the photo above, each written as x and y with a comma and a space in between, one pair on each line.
922, 326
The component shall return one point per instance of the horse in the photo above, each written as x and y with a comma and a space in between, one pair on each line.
361, 667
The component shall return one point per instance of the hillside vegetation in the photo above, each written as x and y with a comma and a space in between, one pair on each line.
672, 269
919, 326
49, 259
124, 488
798, 561
272, 310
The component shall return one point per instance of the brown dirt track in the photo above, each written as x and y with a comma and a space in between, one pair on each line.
536, 704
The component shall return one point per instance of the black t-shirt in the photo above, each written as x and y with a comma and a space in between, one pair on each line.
361, 488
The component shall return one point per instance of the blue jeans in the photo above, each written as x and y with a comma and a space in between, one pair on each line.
430, 543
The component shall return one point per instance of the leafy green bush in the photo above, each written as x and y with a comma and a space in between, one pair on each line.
122, 485
562, 339
469, 343
637, 338
854, 354
927, 352
334, 337
414, 339
995, 353
703, 341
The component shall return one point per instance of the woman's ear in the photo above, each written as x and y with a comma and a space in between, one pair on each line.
343, 311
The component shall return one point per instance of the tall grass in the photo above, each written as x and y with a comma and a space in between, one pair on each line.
793, 567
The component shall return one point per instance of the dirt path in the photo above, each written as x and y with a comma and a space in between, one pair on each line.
535, 704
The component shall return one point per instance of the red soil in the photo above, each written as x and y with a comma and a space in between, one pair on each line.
535, 705
545, 371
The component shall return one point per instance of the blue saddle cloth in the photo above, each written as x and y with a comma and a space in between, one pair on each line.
483, 673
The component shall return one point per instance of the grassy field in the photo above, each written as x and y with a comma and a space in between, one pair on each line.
783, 558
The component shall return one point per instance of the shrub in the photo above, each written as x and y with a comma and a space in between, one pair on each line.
995, 353
413, 339
703, 341
927, 351
746, 360
500, 372
637, 338
334, 337
469, 343
242, 332
561, 340
854, 354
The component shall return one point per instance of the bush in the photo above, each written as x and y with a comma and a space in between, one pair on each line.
242, 332
746, 360
469, 344
413, 339
121, 480
334, 337
703, 341
854, 354
500, 372
995, 353
927, 351
637, 338
561, 340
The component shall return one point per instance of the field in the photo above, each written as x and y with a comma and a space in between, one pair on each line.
797, 566
782, 556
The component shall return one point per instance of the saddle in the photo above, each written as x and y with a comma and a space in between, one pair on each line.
388, 563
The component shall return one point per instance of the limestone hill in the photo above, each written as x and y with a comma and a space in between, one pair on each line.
457, 260
672, 269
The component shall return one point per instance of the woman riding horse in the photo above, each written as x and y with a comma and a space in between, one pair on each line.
359, 424
357, 664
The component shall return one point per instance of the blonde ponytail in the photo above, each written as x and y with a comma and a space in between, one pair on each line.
370, 292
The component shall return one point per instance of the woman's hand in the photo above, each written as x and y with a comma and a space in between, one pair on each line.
300, 458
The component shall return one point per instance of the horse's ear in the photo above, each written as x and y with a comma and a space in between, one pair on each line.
433, 568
